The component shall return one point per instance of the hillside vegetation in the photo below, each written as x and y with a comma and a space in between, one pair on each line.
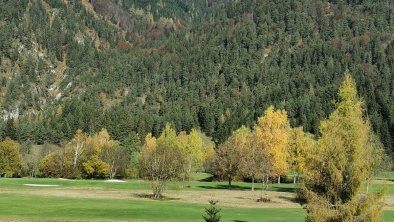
131, 66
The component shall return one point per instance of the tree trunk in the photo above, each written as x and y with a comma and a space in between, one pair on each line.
75, 159
367, 185
294, 178
252, 183
229, 183
266, 183
279, 180
157, 189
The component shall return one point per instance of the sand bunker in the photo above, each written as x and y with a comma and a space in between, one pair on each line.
40, 185
115, 181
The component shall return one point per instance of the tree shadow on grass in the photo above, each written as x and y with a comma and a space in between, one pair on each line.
385, 179
225, 187
283, 189
207, 179
290, 199
293, 200
150, 196
240, 220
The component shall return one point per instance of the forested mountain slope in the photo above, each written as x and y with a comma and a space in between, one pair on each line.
130, 66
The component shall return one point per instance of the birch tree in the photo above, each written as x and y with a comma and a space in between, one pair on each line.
301, 145
271, 135
162, 160
78, 145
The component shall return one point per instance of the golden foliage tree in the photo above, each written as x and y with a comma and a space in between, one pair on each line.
93, 165
10, 158
192, 145
162, 160
300, 147
271, 135
77, 146
117, 158
58, 164
344, 158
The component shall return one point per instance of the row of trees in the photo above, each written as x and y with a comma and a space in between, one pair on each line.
85, 156
334, 167
259, 154
98, 156
95, 156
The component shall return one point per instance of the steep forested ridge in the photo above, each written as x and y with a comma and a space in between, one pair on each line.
130, 66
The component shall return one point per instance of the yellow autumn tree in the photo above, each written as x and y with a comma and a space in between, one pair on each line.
207, 151
162, 160
10, 158
300, 147
94, 166
344, 158
209, 155
196, 149
271, 135
77, 147
192, 145
150, 142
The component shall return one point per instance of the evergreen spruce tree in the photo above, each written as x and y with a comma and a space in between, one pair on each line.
212, 212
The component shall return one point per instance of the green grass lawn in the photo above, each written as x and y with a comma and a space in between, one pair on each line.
39, 208
15, 205
32, 207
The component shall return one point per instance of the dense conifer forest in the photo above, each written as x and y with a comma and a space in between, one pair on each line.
132, 66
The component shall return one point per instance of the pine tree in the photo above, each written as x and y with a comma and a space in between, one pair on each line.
212, 212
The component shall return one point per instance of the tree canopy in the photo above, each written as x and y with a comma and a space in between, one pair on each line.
344, 159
